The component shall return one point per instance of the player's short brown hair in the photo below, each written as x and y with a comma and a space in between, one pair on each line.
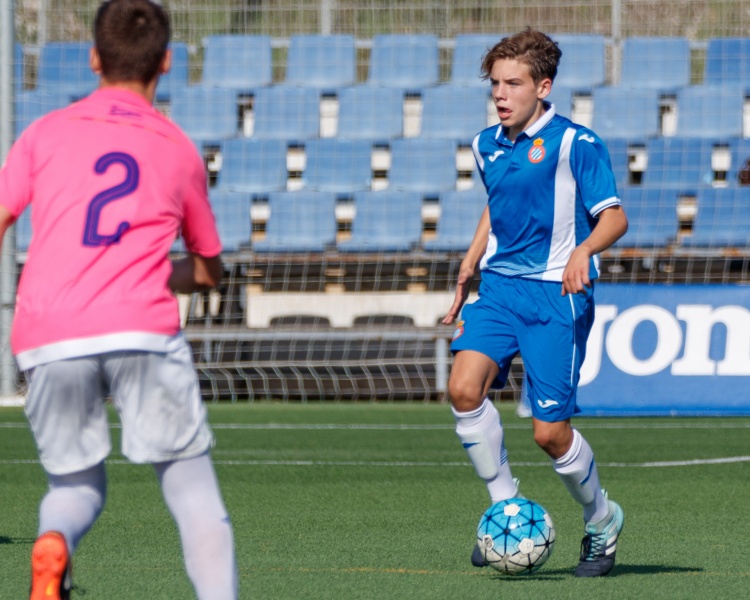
131, 37
531, 47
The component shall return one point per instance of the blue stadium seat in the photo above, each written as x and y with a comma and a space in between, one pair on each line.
619, 156
450, 111
370, 113
240, 62
232, 211
253, 166
303, 221
459, 216
710, 112
32, 104
684, 162
178, 76
467, 58
18, 72
582, 63
625, 113
740, 155
64, 68
660, 63
207, 115
22, 228
338, 165
287, 113
423, 165
652, 217
385, 221
408, 62
562, 98
325, 62
723, 218
728, 63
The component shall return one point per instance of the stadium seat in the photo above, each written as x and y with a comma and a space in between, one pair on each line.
740, 155
178, 76
64, 68
459, 216
723, 218
232, 211
303, 221
625, 113
207, 115
454, 112
22, 228
728, 63
240, 62
423, 165
385, 221
652, 217
467, 58
370, 113
338, 165
710, 112
408, 62
684, 162
324, 62
253, 166
286, 112
619, 156
32, 104
18, 69
660, 63
562, 98
582, 64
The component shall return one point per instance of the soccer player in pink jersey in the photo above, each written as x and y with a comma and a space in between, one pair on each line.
112, 183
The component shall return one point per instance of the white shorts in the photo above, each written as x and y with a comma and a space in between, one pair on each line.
156, 395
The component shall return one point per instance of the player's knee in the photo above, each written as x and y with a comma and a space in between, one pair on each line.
554, 442
465, 394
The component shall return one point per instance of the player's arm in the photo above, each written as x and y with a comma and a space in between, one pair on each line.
468, 268
6, 220
195, 273
611, 226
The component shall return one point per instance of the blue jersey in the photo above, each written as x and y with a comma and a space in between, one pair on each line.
545, 191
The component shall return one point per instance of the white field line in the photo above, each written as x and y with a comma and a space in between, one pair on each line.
426, 464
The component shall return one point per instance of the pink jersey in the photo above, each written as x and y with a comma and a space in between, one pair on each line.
111, 183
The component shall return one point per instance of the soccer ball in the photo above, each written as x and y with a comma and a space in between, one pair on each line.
516, 536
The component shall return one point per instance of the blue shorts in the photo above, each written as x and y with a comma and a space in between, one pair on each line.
528, 316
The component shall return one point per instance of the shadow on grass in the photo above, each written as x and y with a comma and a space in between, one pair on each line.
558, 574
9, 541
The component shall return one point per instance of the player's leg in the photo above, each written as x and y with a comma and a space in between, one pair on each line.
478, 424
554, 350
192, 495
66, 411
164, 423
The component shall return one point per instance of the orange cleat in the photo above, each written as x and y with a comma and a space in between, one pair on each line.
50, 568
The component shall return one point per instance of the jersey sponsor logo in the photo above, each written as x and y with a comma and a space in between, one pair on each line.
586, 138
116, 111
459, 331
537, 151
547, 403
497, 153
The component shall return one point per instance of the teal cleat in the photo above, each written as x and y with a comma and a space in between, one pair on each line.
599, 545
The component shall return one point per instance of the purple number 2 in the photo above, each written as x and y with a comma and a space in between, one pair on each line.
91, 235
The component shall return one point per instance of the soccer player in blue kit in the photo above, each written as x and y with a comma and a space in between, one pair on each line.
552, 207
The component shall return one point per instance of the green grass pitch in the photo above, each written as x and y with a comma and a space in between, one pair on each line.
378, 501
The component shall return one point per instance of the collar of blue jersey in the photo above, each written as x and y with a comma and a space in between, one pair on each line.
534, 128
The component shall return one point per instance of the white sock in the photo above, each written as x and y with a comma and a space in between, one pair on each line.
481, 434
578, 471
192, 494
73, 503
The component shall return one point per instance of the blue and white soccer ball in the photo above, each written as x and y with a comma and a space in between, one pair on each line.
516, 536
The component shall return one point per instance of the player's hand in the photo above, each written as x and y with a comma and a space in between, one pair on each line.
465, 277
575, 279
